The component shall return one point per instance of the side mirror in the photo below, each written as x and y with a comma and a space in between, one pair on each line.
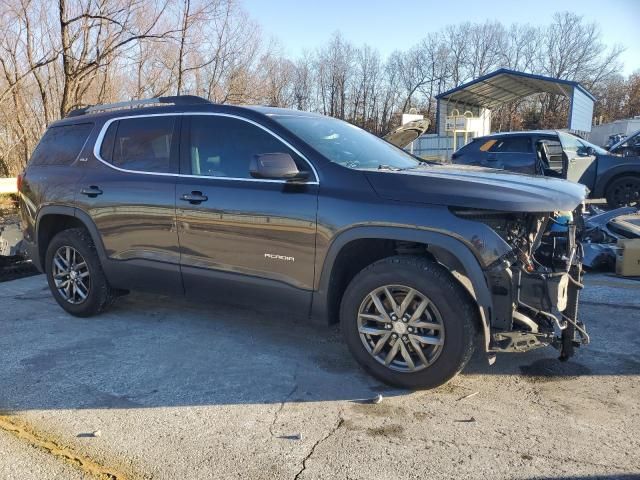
275, 166
586, 152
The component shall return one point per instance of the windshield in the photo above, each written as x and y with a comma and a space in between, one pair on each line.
598, 150
346, 144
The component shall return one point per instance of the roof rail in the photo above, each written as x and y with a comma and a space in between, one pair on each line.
174, 100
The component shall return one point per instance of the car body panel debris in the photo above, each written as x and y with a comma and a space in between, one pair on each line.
603, 231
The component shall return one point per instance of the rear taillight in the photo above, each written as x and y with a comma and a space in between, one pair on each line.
19, 182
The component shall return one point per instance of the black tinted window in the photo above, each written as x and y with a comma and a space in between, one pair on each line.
61, 145
473, 145
512, 144
106, 149
143, 144
224, 147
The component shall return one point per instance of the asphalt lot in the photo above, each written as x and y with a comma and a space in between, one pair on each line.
208, 391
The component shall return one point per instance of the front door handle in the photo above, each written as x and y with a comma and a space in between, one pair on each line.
194, 198
91, 191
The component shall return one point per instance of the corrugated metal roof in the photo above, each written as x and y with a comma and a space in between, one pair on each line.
501, 86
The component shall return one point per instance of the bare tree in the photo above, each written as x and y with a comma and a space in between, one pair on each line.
302, 82
92, 33
365, 87
486, 42
21, 56
457, 43
434, 55
274, 81
334, 64
55, 56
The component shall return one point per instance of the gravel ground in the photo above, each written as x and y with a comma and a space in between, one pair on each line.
8, 211
179, 390
21, 460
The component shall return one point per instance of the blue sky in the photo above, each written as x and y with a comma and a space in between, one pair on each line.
389, 25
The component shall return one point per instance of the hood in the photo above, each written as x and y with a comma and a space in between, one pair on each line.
477, 187
407, 133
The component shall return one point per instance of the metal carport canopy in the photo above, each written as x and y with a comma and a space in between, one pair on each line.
501, 86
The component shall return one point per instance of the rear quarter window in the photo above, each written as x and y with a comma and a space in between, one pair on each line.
140, 144
472, 146
511, 145
61, 145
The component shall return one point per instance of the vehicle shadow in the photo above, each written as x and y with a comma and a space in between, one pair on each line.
151, 351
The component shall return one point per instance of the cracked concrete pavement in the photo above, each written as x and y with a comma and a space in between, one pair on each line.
184, 390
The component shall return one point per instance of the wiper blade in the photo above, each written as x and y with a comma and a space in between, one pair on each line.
422, 163
388, 167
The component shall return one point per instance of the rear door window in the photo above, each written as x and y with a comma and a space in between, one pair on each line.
144, 144
511, 145
61, 145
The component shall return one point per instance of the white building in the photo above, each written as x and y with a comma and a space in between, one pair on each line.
464, 112
600, 133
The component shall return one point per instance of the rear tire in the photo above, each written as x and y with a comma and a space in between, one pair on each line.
75, 275
429, 305
623, 191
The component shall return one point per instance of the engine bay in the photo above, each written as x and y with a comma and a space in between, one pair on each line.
535, 288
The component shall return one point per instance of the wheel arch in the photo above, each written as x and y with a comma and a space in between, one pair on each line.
382, 241
53, 219
603, 182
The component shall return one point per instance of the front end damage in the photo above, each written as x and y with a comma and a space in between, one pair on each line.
535, 286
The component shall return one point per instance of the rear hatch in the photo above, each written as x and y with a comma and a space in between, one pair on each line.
407, 133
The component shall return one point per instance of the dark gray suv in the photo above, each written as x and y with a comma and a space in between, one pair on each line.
419, 262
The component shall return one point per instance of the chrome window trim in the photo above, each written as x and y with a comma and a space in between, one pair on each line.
98, 145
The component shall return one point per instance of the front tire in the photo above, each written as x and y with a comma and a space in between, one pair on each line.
408, 322
623, 191
75, 275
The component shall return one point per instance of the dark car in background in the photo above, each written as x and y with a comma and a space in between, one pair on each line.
562, 155
614, 140
627, 146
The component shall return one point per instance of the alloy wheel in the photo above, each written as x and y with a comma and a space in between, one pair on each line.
71, 275
401, 328
627, 193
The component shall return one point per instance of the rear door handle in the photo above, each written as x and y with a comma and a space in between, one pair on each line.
194, 198
91, 191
